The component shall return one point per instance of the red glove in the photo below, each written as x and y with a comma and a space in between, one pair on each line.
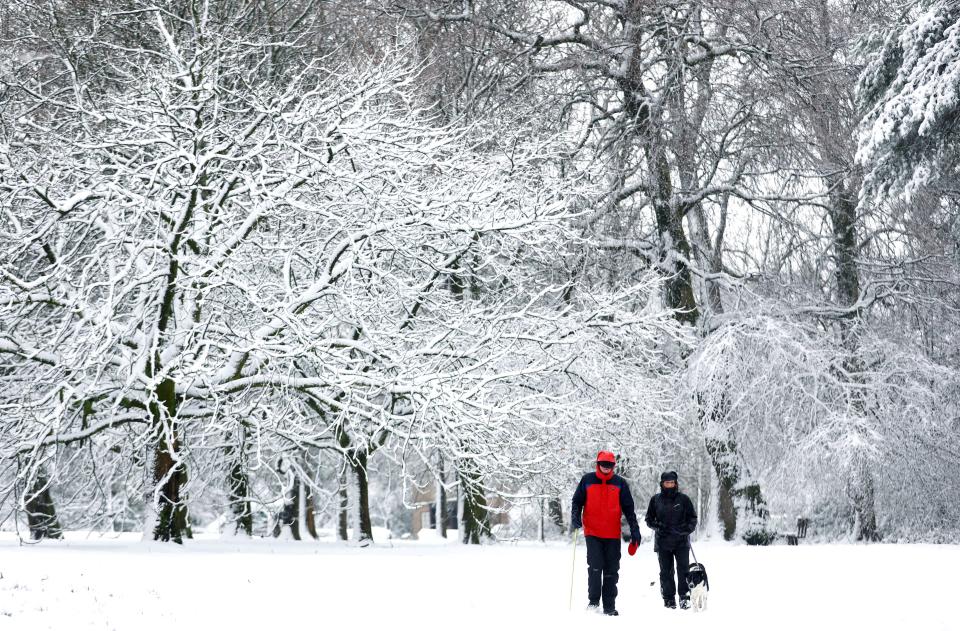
632, 548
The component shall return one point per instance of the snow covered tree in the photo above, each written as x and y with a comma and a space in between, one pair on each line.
194, 233
910, 92
200, 251
651, 87
329, 265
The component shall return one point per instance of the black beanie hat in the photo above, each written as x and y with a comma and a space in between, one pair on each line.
668, 475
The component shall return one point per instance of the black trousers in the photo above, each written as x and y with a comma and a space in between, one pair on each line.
668, 589
603, 570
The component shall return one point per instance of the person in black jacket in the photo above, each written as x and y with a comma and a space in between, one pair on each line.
672, 516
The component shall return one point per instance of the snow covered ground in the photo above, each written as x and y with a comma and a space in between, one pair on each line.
126, 585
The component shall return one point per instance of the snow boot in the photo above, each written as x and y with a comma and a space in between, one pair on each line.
669, 603
684, 603
611, 612
593, 606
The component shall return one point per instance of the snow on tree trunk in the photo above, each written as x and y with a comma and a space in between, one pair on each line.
476, 524
239, 495
238, 489
354, 505
460, 509
41, 512
362, 533
300, 520
844, 220
555, 508
289, 513
710, 526
541, 523
307, 514
169, 471
343, 508
441, 501
297, 511
742, 509
861, 491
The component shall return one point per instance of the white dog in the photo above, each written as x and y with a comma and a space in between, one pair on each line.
699, 586
698, 597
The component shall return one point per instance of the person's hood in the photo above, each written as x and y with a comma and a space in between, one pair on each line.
605, 456
669, 475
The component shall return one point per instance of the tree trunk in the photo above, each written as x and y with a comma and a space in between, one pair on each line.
308, 515
41, 512
290, 513
476, 524
297, 511
862, 495
542, 524
679, 292
741, 505
843, 216
645, 128
555, 508
238, 488
239, 494
169, 472
344, 508
441, 498
365, 525
722, 455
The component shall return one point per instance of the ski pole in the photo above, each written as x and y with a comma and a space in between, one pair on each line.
573, 567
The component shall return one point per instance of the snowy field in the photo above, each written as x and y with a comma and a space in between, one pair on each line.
128, 585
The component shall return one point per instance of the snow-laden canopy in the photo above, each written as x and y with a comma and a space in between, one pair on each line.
911, 90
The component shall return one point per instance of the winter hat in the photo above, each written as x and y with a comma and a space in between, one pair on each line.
669, 475
606, 457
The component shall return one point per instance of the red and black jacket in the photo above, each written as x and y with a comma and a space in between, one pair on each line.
601, 499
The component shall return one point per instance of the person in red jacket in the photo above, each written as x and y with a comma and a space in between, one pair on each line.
598, 503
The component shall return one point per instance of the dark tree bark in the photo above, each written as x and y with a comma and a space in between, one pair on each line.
41, 512
555, 509
736, 494
844, 221
238, 489
290, 513
239, 493
343, 512
476, 523
741, 506
357, 460
169, 474
359, 465
679, 294
441, 500
298, 510
309, 516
